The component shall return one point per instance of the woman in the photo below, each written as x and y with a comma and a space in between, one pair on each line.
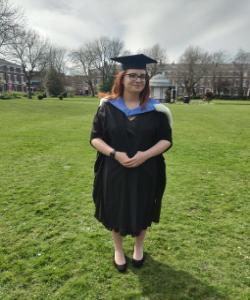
130, 132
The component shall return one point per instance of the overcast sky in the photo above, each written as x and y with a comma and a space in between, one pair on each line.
174, 24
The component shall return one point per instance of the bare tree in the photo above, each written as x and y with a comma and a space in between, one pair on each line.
94, 57
157, 53
56, 58
242, 63
11, 19
218, 59
102, 50
83, 58
193, 66
53, 74
30, 51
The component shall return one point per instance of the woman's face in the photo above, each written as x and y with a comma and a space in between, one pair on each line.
134, 80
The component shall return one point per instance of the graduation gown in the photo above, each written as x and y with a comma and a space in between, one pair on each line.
128, 200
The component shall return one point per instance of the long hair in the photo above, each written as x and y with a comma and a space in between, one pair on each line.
118, 88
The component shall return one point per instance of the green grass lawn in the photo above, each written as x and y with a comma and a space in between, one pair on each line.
52, 247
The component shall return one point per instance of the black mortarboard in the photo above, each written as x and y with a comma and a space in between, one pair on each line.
138, 61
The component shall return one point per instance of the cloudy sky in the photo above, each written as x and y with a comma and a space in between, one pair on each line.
174, 24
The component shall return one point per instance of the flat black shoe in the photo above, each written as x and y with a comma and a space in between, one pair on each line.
138, 263
121, 268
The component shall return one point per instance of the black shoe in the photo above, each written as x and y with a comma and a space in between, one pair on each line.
121, 268
138, 263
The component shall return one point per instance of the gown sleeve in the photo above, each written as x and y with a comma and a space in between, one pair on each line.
98, 132
164, 130
98, 124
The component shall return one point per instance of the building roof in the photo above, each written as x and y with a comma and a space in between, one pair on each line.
160, 80
8, 63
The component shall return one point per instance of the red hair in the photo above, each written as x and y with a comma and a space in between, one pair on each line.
118, 89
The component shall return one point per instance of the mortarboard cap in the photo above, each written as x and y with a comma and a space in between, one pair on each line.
138, 61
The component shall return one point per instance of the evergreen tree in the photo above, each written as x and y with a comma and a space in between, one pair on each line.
107, 86
54, 83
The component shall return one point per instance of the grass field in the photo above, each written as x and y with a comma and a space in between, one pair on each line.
51, 246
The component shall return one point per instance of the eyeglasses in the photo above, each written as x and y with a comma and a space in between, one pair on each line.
134, 76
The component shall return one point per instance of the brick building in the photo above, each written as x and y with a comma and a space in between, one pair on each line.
11, 77
224, 80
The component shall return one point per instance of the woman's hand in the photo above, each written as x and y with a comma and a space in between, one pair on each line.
139, 158
122, 157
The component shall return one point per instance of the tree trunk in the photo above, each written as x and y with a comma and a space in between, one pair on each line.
188, 90
29, 88
241, 90
91, 88
193, 91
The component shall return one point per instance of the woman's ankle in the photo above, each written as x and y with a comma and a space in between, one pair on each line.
120, 257
119, 251
138, 252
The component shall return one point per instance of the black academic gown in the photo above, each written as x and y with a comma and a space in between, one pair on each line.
128, 200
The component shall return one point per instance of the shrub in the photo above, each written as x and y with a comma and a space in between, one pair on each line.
208, 96
63, 95
54, 83
41, 96
197, 97
11, 95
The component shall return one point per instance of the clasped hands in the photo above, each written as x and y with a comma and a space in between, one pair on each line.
130, 162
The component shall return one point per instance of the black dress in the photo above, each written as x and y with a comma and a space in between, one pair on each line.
128, 200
